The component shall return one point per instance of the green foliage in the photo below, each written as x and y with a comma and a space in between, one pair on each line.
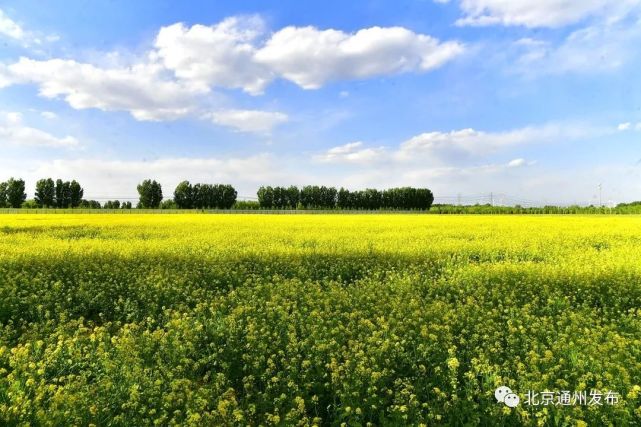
75, 194
183, 195
45, 193
150, 194
204, 196
168, 204
109, 204
29, 204
246, 205
90, 204
15, 193
112, 204
315, 197
63, 193
266, 197
3, 195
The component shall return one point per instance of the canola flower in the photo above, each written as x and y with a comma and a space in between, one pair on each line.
316, 319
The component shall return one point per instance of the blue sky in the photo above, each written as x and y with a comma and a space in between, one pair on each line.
539, 100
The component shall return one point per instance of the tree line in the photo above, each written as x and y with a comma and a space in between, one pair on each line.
204, 196
58, 194
321, 197
69, 194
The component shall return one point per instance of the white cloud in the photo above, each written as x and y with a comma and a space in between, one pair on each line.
141, 90
464, 171
457, 146
13, 131
9, 28
597, 48
311, 57
236, 53
629, 126
542, 13
470, 142
516, 163
176, 77
5, 77
253, 121
14, 31
219, 55
352, 152
49, 115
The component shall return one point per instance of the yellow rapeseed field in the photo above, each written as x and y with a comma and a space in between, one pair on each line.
193, 319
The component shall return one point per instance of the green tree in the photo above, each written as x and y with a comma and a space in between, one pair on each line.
59, 193
45, 193
168, 204
63, 194
15, 192
112, 204
343, 199
228, 196
150, 194
183, 195
3, 195
75, 194
266, 197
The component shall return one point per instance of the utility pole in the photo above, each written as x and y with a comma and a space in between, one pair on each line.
600, 188
491, 199
458, 198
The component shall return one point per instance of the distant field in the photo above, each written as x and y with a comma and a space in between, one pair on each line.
316, 319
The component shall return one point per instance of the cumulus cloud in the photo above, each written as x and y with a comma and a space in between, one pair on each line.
237, 53
5, 76
140, 89
252, 121
12, 30
186, 64
311, 57
353, 152
9, 28
219, 55
13, 131
542, 13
